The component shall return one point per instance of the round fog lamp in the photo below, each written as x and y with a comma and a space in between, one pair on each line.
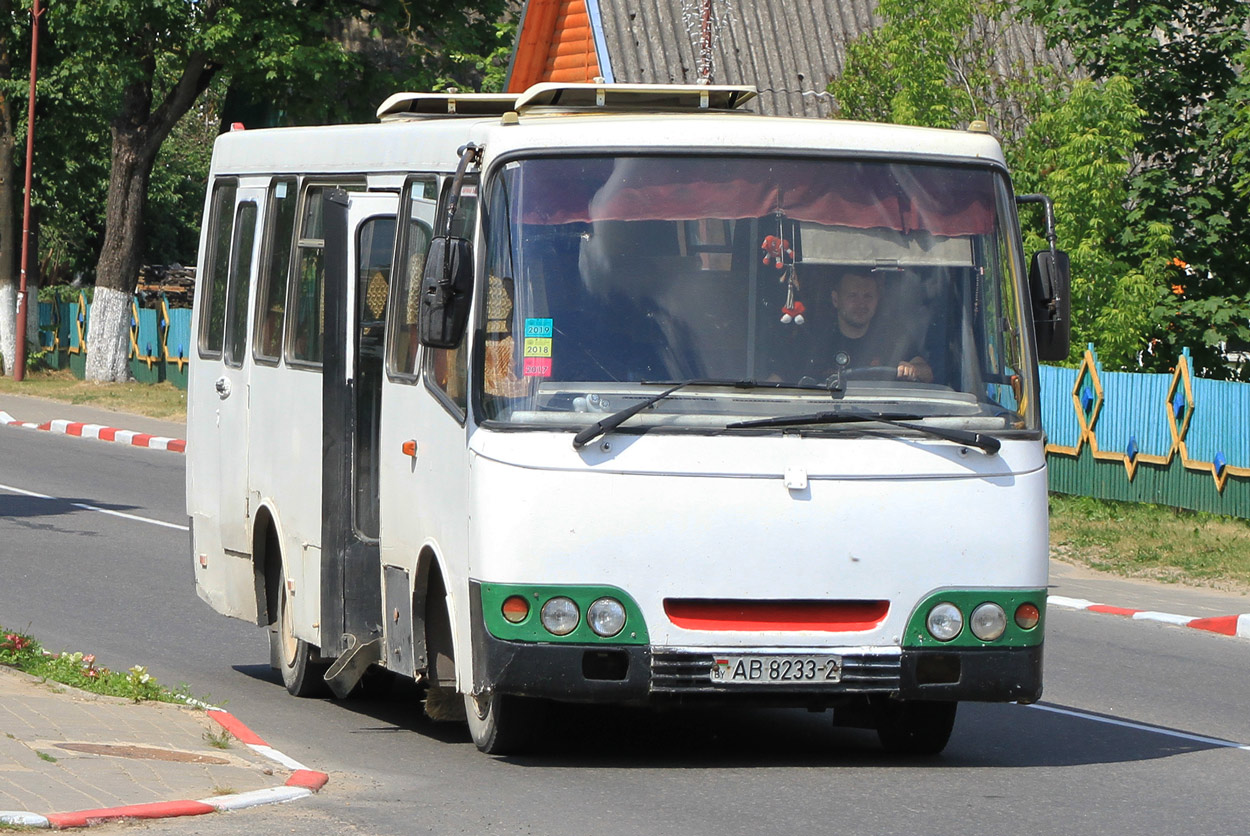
988, 621
606, 617
560, 616
515, 609
945, 621
1027, 616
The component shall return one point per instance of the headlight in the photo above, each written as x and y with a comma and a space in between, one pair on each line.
606, 617
560, 616
988, 621
945, 621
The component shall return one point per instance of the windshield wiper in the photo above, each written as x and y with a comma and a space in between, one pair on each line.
614, 420
986, 443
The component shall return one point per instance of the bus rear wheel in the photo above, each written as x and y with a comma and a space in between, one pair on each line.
914, 727
502, 724
302, 676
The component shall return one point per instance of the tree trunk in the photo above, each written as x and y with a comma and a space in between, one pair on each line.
108, 342
138, 132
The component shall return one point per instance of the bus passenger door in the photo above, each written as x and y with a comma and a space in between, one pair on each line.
359, 235
220, 411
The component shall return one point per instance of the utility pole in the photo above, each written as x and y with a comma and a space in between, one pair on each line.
19, 365
705, 43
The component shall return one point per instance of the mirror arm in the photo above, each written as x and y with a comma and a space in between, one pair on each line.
469, 153
1049, 206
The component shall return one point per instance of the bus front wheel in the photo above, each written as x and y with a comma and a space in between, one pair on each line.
914, 727
501, 724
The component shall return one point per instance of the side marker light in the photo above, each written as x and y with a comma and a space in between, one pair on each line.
1027, 616
515, 609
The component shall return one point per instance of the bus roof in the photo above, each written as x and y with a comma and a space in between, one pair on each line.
422, 131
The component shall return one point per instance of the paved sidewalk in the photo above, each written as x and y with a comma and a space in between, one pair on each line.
91, 422
41, 410
70, 758
1078, 582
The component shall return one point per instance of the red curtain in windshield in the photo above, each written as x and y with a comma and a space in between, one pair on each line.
906, 197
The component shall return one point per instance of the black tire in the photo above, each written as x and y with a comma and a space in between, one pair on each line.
914, 727
503, 724
300, 674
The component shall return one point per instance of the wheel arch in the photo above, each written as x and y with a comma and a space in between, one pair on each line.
266, 563
434, 617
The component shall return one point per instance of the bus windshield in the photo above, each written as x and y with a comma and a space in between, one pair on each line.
770, 286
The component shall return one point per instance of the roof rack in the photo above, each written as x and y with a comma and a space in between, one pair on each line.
636, 96
443, 105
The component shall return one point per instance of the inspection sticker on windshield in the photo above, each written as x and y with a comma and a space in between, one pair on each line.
537, 348
776, 670
538, 328
537, 367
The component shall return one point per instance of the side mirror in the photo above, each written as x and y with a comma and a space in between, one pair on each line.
446, 291
1049, 284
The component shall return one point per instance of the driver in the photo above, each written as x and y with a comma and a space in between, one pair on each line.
857, 340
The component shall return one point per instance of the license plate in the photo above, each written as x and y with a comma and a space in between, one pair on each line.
776, 670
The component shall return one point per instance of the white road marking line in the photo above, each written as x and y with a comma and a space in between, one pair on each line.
1214, 741
87, 507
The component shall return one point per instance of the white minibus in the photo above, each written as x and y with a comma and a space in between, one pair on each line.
625, 394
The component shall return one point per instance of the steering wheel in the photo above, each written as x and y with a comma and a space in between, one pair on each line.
866, 373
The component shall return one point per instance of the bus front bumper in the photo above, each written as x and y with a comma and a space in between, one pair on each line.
640, 674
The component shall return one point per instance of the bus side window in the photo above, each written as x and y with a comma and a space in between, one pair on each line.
239, 283
276, 265
421, 198
217, 269
447, 369
308, 327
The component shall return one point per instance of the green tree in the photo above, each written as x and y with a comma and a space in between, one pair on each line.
1078, 153
1187, 60
943, 63
149, 61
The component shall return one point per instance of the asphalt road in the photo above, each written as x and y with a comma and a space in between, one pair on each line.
121, 587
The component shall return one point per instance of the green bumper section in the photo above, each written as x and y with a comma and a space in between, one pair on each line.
967, 600
530, 628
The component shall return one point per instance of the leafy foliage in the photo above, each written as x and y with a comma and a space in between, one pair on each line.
271, 63
942, 63
1077, 152
1187, 59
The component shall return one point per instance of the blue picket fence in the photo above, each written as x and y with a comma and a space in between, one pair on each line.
1174, 439
160, 339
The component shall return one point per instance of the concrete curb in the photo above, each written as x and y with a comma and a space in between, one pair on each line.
100, 432
1237, 626
302, 783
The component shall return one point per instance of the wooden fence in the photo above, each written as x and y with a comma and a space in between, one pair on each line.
160, 339
1172, 439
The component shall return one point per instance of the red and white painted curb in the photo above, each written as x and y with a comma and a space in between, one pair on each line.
101, 432
302, 783
1237, 626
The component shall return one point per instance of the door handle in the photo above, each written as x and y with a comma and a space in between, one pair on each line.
223, 387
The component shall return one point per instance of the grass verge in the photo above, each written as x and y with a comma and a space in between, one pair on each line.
155, 400
79, 670
1154, 542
